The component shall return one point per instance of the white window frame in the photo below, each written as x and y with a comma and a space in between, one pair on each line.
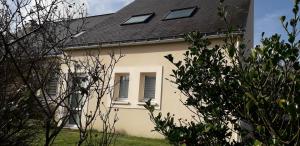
135, 75
57, 80
142, 97
74, 126
116, 98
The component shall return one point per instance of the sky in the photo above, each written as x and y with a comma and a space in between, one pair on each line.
98, 7
266, 13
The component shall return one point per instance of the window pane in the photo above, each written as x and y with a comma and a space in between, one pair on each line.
138, 19
123, 91
149, 88
78, 34
76, 97
74, 117
75, 100
51, 88
180, 13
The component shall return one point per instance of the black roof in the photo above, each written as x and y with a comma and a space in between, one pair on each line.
108, 28
88, 22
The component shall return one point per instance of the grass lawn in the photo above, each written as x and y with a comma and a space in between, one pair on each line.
69, 138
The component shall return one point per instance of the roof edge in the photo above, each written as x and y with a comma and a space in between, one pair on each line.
86, 17
146, 41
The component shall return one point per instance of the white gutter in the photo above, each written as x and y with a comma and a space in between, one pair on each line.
123, 44
145, 42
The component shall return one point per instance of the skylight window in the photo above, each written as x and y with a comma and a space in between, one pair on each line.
139, 19
78, 34
180, 13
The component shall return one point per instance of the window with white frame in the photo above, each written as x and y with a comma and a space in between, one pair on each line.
134, 85
147, 86
76, 99
121, 86
51, 87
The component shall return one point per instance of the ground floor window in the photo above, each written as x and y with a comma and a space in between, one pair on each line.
147, 86
134, 85
76, 98
121, 86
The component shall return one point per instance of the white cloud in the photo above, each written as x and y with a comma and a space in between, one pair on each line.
93, 7
96, 7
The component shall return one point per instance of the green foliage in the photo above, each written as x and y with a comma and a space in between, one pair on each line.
228, 91
189, 133
272, 88
207, 79
19, 119
70, 138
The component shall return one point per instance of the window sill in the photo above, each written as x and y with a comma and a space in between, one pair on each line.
144, 103
121, 102
71, 126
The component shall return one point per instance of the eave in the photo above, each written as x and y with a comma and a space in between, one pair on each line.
173, 39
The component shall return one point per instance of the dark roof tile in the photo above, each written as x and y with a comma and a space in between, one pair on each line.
108, 28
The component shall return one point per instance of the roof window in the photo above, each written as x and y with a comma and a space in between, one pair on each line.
180, 13
138, 19
78, 34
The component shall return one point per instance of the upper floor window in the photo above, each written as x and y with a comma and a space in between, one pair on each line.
181, 13
78, 34
139, 19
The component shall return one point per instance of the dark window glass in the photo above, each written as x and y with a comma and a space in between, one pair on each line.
75, 100
149, 88
138, 19
180, 13
74, 117
78, 34
123, 91
51, 87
